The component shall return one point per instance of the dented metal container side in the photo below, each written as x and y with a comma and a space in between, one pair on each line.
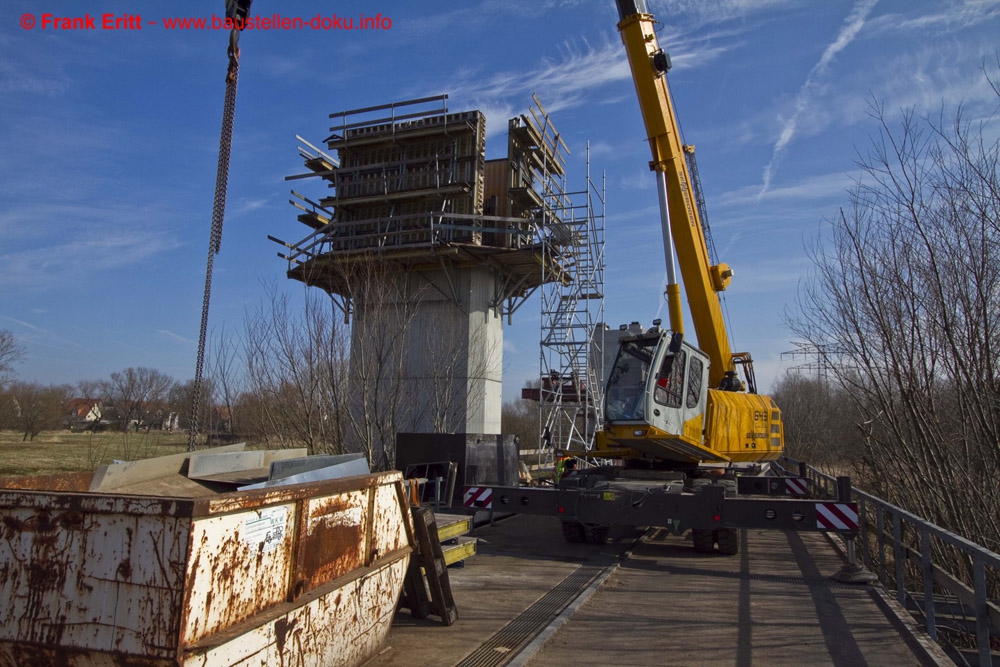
308, 574
335, 626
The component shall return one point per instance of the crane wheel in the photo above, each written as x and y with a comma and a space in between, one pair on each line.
573, 531
595, 534
704, 540
729, 541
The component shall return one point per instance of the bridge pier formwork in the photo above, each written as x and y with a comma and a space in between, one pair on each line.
426, 247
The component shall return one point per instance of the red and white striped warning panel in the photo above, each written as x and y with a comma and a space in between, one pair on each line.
837, 516
479, 497
796, 486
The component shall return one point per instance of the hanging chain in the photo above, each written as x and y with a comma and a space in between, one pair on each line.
215, 240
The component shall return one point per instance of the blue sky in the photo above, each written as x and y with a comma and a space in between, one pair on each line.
109, 142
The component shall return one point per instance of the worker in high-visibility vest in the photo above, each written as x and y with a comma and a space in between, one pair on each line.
565, 466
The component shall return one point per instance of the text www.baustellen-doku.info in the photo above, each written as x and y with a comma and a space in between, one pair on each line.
50, 21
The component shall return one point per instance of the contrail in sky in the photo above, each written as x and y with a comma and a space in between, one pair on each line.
852, 24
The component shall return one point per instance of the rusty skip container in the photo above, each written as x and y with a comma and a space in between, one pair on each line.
299, 575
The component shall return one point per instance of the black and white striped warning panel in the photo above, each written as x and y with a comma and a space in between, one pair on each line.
773, 486
479, 497
837, 516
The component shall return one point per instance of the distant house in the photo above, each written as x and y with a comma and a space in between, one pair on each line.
159, 417
84, 412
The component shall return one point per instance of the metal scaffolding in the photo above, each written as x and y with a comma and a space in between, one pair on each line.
410, 192
571, 382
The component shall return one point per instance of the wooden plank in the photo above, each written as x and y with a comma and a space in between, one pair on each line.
414, 595
465, 547
171, 486
451, 526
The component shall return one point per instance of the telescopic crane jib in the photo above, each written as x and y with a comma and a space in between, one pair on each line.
666, 400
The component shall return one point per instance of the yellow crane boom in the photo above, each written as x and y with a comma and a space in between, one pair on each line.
679, 213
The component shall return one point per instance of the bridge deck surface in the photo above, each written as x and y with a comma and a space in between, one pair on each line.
657, 603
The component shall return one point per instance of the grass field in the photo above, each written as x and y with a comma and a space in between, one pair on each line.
62, 451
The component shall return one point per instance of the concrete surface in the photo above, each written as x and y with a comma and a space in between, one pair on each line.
660, 604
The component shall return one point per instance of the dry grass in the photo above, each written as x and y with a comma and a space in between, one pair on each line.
62, 451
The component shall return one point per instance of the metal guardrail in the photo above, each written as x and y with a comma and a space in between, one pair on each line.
899, 547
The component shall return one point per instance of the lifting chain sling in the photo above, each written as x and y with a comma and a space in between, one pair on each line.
215, 236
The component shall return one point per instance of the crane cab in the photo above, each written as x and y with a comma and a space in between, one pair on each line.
658, 406
655, 397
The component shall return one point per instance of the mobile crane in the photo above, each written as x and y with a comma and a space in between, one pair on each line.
669, 404
682, 429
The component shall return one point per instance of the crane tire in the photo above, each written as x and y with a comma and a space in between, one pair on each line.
704, 540
595, 533
573, 531
729, 541
697, 484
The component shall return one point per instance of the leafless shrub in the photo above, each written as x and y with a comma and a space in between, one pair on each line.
31, 408
295, 363
906, 286
10, 353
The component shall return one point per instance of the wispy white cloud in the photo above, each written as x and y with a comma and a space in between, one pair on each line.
35, 335
564, 82
949, 16
247, 206
476, 15
816, 188
854, 22
177, 338
637, 179
85, 253
718, 11
926, 79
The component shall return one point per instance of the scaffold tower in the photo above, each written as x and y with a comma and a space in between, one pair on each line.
571, 383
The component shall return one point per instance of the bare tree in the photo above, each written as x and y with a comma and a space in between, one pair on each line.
35, 408
520, 419
820, 421
134, 397
907, 287
378, 403
89, 389
457, 364
333, 383
227, 381
295, 364
181, 397
10, 353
